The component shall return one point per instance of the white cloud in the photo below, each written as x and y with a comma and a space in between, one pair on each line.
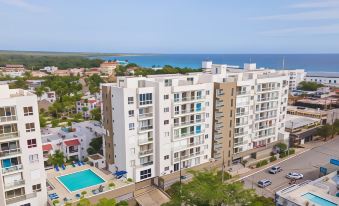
24, 4
311, 15
313, 30
316, 4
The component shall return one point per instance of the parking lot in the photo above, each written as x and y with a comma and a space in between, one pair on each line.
307, 163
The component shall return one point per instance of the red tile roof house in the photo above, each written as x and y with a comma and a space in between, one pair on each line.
72, 141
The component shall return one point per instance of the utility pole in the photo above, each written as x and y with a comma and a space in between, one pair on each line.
283, 63
288, 142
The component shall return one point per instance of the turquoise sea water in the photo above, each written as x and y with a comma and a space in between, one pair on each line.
318, 200
80, 180
309, 62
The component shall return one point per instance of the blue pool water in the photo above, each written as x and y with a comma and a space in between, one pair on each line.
80, 180
318, 200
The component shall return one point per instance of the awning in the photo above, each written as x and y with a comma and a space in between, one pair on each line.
73, 142
47, 147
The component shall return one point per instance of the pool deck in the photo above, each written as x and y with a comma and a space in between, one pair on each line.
62, 192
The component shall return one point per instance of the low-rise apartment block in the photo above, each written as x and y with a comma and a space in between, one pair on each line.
326, 78
22, 176
13, 70
72, 141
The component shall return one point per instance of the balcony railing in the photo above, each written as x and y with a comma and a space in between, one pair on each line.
267, 89
6, 153
243, 92
240, 143
145, 115
188, 98
9, 135
241, 114
20, 198
266, 108
12, 169
144, 128
145, 140
240, 134
188, 156
267, 99
237, 124
73, 151
145, 164
188, 134
181, 147
8, 118
15, 183
145, 152
265, 135
266, 117
188, 122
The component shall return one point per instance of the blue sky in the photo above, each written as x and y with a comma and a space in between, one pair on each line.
175, 26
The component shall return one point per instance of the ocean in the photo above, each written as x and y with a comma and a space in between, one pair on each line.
309, 62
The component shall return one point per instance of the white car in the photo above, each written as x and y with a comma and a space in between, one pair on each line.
294, 175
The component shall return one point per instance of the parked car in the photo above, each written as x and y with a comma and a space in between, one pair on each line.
275, 169
294, 175
264, 183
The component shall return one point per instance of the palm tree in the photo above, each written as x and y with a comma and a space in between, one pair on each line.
57, 158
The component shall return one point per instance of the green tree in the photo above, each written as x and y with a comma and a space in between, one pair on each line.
122, 203
84, 202
57, 158
96, 114
19, 83
106, 202
93, 83
95, 145
85, 109
309, 86
325, 131
206, 188
43, 122
55, 122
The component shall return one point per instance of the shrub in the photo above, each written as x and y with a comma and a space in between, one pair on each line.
122, 203
261, 163
291, 151
83, 193
129, 180
273, 158
111, 184
282, 154
55, 202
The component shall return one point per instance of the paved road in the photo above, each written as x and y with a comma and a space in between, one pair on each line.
307, 163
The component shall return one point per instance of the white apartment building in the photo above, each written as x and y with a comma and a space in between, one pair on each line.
326, 78
89, 102
49, 69
295, 77
261, 106
157, 122
22, 176
72, 141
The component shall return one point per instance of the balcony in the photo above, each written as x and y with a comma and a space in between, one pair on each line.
241, 114
219, 104
145, 152
261, 109
260, 127
145, 128
241, 104
265, 89
179, 124
238, 124
6, 153
243, 93
266, 117
182, 147
20, 198
267, 99
218, 136
188, 134
218, 125
8, 118
73, 150
4, 136
12, 169
15, 183
145, 116
189, 98
145, 164
236, 144
145, 141
265, 135
219, 114
188, 156
240, 134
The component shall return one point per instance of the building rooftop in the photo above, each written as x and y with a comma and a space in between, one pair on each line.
295, 121
323, 74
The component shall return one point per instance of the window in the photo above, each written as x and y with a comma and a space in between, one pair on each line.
166, 96
166, 157
130, 100
166, 109
145, 99
131, 126
131, 113
166, 168
176, 166
166, 134
145, 174
206, 136
36, 188
28, 111
168, 82
30, 127
207, 92
31, 143
33, 158
7, 114
166, 122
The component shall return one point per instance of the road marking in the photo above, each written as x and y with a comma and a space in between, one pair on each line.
265, 168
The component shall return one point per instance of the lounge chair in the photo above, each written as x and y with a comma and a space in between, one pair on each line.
78, 195
73, 164
56, 168
78, 163
82, 163
63, 167
95, 191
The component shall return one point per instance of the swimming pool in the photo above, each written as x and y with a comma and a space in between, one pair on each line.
80, 180
318, 200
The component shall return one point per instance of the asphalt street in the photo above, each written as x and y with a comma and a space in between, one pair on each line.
307, 163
